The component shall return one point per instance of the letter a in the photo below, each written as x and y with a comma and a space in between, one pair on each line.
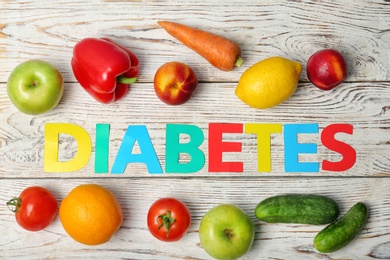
148, 155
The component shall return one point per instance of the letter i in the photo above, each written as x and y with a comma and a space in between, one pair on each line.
102, 148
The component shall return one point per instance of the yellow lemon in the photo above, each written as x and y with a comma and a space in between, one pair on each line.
269, 82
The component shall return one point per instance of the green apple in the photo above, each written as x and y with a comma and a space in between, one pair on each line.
226, 232
35, 87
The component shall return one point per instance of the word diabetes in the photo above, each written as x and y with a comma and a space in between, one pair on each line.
216, 145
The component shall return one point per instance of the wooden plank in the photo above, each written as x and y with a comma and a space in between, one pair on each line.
133, 240
290, 29
293, 29
363, 105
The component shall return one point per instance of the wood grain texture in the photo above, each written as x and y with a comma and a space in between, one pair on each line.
49, 30
363, 105
294, 29
133, 240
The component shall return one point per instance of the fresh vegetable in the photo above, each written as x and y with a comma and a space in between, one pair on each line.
35, 208
217, 50
341, 232
168, 219
104, 68
298, 208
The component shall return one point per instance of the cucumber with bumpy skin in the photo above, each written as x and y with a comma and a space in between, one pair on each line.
341, 232
298, 208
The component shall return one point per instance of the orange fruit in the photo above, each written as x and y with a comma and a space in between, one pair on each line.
91, 214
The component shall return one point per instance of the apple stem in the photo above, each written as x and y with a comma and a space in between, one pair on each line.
167, 221
125, 80
14, 204
228, 233
34, 84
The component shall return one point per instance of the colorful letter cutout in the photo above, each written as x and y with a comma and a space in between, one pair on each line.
81, 158
102, 148
292, 148
263, 133
347, 151
148, 156
174, 148
217, 147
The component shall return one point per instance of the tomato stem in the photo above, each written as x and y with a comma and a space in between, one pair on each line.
167, 221
14, 204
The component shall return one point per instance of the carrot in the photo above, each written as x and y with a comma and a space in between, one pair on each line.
217, 50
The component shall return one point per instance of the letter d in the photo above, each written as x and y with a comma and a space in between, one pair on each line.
81, 158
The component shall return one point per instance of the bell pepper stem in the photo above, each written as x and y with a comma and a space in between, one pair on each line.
125, 80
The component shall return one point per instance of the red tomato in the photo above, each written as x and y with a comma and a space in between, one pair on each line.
35, 208
168, 219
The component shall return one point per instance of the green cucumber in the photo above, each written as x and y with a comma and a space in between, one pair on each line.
298, 208
341, 232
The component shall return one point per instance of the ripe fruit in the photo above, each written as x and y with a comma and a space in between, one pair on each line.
226, 232
174, 83
326, 69
91, 214
269, 82
35, 208
35, 87
168, 219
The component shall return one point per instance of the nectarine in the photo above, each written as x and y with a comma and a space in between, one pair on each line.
175, 82
326, 69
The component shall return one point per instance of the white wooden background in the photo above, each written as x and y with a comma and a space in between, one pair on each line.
49, 29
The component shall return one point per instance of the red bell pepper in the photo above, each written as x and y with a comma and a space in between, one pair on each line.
104, 68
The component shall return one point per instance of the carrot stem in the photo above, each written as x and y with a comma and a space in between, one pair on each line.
239, 62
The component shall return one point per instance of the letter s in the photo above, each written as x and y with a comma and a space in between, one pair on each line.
347, 151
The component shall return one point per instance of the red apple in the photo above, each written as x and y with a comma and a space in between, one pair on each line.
326, 69
174, 83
